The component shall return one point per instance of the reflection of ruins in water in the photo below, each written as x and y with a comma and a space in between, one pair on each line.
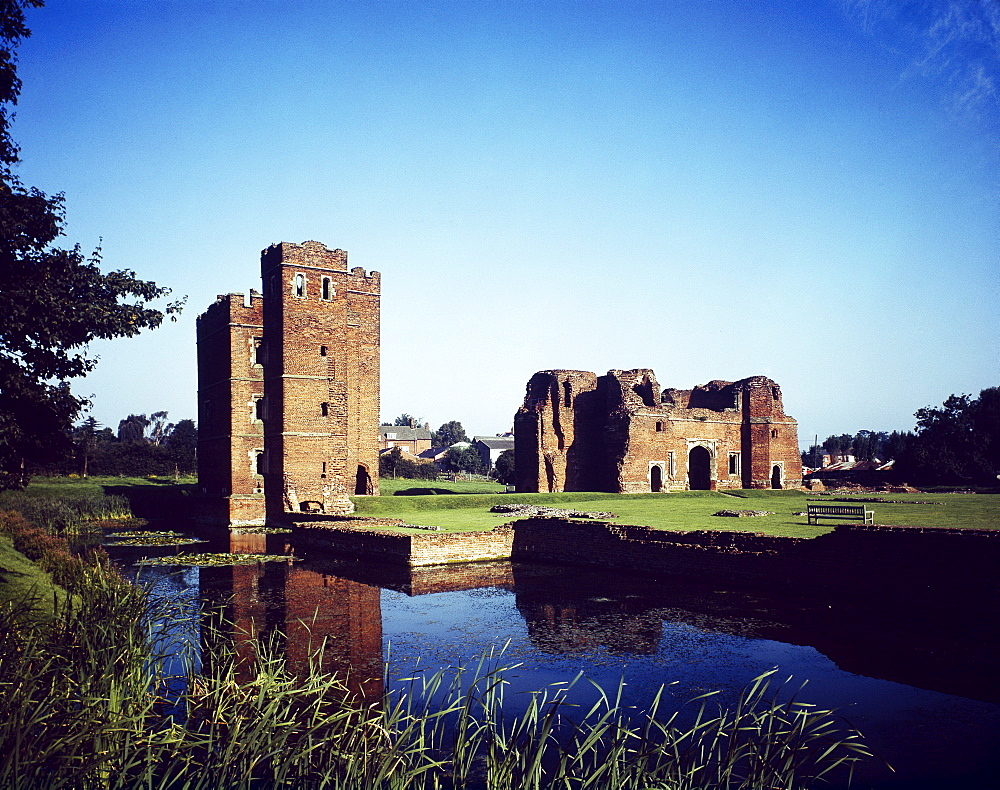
336, 603
311, 615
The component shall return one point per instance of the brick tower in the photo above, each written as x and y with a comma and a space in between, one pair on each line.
230, 429
321, 379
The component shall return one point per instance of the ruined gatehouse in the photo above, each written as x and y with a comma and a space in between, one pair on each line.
288, 389
621, 433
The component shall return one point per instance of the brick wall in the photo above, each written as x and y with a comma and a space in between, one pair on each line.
620, 433
852, 559
230, 434
399, 548
321, 383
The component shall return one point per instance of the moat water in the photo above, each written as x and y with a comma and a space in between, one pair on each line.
923, 686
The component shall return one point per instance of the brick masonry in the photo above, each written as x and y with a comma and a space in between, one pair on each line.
289, 390
230, 432
577, 431
403, 548
852, 559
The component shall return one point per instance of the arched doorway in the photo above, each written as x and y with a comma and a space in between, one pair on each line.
655, 479
699, 469
776, 477
362, 482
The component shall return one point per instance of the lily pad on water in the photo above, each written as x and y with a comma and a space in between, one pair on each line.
203, 560
140, 533
165, 540
261, 531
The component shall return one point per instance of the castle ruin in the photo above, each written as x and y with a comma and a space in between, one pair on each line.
288, 390
620, 433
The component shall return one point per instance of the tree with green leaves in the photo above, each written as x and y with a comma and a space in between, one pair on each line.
464, 459
504, 468
53, 301
957, 443
448, 434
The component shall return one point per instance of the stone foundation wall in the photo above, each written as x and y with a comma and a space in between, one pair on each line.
398, 548
854, 559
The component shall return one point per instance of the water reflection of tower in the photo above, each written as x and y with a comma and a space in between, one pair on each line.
300, 611
343, 617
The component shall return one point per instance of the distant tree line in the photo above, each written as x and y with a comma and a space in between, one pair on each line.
143, 445
955, 444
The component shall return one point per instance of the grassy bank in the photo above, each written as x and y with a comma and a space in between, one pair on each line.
144, 497
25, 586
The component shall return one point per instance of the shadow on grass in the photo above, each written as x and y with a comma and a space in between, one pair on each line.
419, 491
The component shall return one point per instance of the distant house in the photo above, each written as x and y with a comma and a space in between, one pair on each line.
870, 474
410, 440
490, 447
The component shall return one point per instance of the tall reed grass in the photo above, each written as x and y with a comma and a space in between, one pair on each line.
90, 701
66, 514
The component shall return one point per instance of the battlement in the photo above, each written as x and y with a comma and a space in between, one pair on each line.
289, 387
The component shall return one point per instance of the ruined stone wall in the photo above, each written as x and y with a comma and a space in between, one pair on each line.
400, 548
620, 433
230, 432
321, 383
556, 429
855, 560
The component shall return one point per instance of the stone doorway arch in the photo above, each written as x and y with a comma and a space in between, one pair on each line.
656, 478
699, 469
776, 481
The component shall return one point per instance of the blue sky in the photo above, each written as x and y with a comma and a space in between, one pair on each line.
803, 190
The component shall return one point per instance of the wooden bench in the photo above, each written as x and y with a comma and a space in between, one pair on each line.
857, 512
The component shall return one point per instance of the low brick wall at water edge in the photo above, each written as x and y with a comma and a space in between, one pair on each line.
852, 558
399, 548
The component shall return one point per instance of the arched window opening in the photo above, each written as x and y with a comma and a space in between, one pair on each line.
324, 409
258, 408
258, 462
774, 433
300, 285
327, 289
567, 394
659, 427
322, 351
258, 351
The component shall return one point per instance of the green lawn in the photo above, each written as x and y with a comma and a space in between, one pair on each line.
403, 487
690, 510
76, 486
465, 505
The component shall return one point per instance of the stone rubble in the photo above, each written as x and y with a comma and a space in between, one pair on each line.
528, 511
